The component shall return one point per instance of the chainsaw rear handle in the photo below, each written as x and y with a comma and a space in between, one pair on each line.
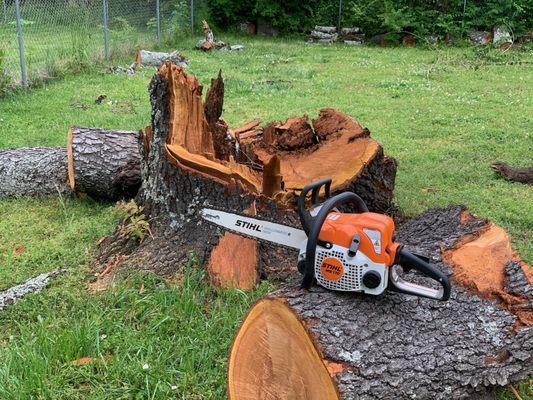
411, 261
316, 225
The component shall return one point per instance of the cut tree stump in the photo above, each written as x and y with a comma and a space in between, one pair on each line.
104, 164
190, 160
319, 344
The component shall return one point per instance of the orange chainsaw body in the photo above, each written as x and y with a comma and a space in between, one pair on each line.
376, 232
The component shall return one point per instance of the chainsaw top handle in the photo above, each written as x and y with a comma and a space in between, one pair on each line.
306, 219
412, 261
315, 225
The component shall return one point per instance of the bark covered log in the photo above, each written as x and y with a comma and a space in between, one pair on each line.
397, 346
191, 161
146, 58
102, 163
514, 174
38, 171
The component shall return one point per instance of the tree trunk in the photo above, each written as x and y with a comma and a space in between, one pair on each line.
39, 171
190, 160
146, 58
103, 164
320, 344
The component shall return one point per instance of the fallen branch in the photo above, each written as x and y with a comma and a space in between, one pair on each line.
10, 296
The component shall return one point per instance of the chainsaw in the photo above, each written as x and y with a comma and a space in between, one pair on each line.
350, 252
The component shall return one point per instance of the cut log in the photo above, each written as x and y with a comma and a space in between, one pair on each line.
103, 164
397, 346
189, 161
146, 58
35, 172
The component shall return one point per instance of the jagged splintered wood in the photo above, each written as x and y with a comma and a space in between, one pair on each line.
320, 344
191, 159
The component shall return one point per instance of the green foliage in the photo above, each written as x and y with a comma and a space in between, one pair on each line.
420, 17
134, 223
444, 132
4, 78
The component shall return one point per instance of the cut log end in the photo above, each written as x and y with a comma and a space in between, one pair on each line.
273, 357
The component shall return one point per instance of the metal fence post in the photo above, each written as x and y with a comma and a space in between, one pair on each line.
21, 47
106, 33
158, 16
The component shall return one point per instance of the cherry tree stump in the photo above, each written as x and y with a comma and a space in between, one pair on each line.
191, 160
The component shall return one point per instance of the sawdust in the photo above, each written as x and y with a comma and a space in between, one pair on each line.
479, 264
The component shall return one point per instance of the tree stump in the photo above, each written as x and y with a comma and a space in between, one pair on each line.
319, 344
191, 160
99, 162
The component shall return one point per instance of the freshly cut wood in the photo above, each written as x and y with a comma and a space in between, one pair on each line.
103, 164
397, 346
190, 161
99, 162
239, 270
146, 58
35, 172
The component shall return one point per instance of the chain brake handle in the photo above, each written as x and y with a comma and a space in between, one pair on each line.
306, 219
410, 261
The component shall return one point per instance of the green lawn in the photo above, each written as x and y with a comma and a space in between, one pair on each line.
445, 114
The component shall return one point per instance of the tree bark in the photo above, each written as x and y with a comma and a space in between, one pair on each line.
304, 344
38, 171
190, 161
103, 164
146, 58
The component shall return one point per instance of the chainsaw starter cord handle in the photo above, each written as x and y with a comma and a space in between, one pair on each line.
316, 226
409, 260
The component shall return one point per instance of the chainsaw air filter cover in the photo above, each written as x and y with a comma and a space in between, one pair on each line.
335, 269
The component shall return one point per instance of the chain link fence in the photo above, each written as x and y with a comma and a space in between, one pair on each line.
40, 39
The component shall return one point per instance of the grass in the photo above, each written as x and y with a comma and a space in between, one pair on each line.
444, 114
